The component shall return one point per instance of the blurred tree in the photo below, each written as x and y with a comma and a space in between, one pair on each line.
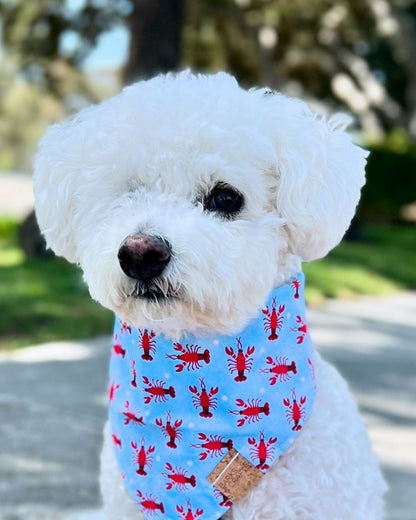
34, 33
24, 109
358, 53
155, 28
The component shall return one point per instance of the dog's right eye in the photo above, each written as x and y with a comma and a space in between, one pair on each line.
224, 199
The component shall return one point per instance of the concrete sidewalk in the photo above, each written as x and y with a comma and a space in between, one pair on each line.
53, 407
16, 194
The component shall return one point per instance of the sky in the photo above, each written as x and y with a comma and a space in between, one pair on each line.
111, 50
112, 47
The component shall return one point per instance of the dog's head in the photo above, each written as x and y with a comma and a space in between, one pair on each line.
186, 199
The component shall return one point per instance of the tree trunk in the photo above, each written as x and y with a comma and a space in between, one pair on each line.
155, 37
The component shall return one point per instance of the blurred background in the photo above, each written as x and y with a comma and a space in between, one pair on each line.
58, 56
358, 56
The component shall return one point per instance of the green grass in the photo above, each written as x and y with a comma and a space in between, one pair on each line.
384, 263
46, 299
43, 299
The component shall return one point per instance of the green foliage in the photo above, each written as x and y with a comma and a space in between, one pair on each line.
349, 54
391, 178
25, 111
303, 43
33, 33
383, 263
43, 300
8, 230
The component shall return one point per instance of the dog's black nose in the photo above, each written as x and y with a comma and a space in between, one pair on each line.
144, 257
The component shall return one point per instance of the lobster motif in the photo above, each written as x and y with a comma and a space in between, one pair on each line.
239, 362
142, 457
303, 329
133, 382
279, 368
224, 500
190, 357
149, 504
214, 445
250, 411
296, 411
312, 368
273, 321
125, 329
204, 399
156, 389
116, 440
131, 416
178, 478
169, 431
262, 451
189, 515
112, 391
117, 348
295, 285
147, 344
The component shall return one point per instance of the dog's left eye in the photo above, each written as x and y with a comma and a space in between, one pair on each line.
224, 199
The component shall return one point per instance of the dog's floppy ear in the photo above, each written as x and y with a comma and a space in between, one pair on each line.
321, 173
54, 185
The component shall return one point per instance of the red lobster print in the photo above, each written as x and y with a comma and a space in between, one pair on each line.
116, 440
279, 368
147, 344
131, 416
224, 500
204, 399
262, 451
273, 321
117, 348
312, 367
178, 478
112, 391
295, 286
190, 357
150, 504
142, 457
296, 411
125, 329
214, 445
169, 431
251, 410
133, 382
189, 515
303, 329
241, 362
156, 389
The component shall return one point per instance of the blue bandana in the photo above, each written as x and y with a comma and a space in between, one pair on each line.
197, 422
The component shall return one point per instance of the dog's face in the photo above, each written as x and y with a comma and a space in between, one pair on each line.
186, 199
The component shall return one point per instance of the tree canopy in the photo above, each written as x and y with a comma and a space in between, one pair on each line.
356, 54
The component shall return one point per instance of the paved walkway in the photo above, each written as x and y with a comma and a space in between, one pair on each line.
53, 407
16, 194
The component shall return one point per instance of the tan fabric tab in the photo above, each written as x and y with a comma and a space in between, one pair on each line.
234, 475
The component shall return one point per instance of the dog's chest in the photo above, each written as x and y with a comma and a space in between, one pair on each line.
196, 423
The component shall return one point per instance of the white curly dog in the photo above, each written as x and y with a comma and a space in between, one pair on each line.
219, 193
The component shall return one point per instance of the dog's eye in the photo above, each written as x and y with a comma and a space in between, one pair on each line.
224, 199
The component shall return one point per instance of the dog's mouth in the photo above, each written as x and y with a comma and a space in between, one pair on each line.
155, 292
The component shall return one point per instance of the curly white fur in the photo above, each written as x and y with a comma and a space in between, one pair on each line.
142, 162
